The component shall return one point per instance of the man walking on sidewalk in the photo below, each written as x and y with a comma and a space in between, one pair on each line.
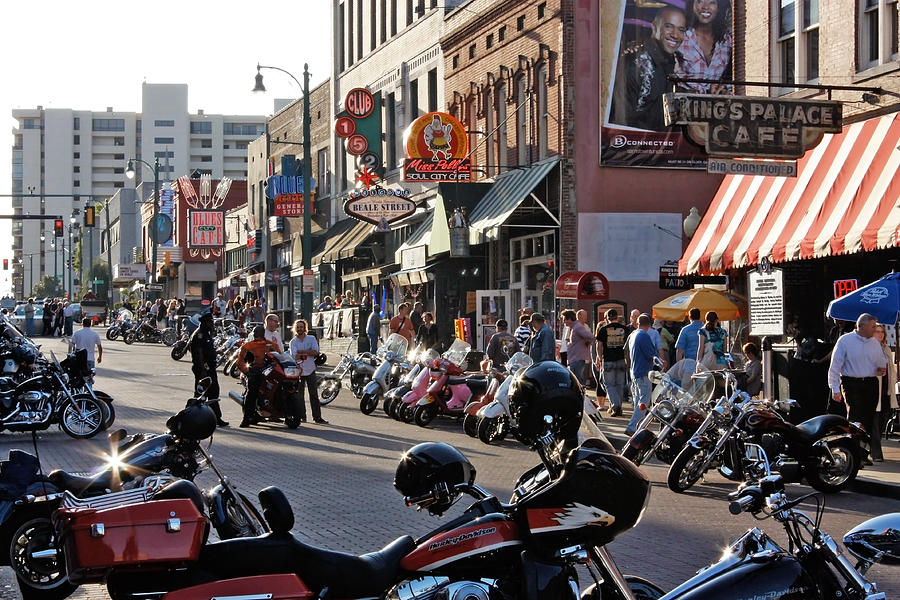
642, 351
611, 360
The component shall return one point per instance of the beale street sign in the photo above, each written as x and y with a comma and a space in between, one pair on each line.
379, 206
752, 126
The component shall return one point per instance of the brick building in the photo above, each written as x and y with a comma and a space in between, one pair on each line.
508, 80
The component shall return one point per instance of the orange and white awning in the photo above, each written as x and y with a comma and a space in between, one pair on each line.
844, 199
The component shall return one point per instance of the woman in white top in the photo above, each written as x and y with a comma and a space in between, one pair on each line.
887, 395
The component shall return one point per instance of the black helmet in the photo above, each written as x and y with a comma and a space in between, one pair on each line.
23, 354
546, 388
195, 422
433, 467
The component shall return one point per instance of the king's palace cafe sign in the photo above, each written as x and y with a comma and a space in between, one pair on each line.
746, 126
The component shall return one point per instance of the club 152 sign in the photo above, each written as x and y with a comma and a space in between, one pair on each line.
206, 228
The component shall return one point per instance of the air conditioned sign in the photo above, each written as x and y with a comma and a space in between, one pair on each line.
206, 228
752, 126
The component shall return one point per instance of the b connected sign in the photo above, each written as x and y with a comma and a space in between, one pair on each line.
752, 126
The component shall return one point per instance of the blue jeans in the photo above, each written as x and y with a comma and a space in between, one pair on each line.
577, 367
29, 326
614, 380
373, 343
640, 391
68, 325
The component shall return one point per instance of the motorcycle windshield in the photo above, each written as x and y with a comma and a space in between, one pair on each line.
285, 359
518, 361
395, 343
124, 315
457, 352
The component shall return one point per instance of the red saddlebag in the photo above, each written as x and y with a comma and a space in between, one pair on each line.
156, 534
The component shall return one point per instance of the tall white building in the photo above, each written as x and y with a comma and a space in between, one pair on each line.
68, 157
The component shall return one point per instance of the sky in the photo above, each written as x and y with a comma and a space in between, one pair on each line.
91, 55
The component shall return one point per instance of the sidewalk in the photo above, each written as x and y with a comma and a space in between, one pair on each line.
880, 479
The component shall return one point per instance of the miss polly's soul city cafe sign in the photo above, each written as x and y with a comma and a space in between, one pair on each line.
752, 126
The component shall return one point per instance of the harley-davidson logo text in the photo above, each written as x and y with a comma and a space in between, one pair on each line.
462, 538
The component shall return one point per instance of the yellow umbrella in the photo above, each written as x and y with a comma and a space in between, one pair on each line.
675, 308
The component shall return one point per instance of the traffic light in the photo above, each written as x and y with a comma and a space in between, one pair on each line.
88, 216
6, 264
58, 227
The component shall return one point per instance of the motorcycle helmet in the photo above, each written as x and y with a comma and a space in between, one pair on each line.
195, 422
546, 389
23, 354
433, 468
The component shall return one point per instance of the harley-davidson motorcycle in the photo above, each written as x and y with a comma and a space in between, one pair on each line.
121, 323
358, 368
279, 396
741, 436
146, 332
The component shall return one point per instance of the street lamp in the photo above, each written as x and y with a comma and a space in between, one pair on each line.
306, 297
129, 173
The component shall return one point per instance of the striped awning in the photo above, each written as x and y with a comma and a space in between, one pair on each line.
845, 199
506, 194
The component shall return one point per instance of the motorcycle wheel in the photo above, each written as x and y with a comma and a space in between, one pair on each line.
169, 337
834, 477
226, 370
491, 429
236, 525
685, 469
179, 350
111, 334
390, 403
407, 412
39, 578
425, 414
129, 337
470, 425
82, 418
292, 419
109, 412
328, 389
640, 588
638, 457
368, 404
235, 372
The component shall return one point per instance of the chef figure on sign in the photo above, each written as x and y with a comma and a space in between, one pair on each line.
437, 136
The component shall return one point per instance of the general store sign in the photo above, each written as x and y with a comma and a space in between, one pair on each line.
379, 206
206, 228
437, 147
752, 126
287, 193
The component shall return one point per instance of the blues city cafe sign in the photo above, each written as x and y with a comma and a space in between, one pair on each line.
379, 206
206, 228
748, 126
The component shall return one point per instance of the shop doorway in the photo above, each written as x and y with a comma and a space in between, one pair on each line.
491, 306
533, 273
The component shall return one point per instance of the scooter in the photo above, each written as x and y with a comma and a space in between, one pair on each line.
419, 359
388, 373
405, 408
493, 420
449, 392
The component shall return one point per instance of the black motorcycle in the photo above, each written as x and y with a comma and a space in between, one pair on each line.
44, 399
146, 332
120, 325
743, 437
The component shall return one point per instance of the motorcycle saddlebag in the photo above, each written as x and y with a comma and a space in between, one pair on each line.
156, 533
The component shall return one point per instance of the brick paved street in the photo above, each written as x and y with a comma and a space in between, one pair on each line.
339, 476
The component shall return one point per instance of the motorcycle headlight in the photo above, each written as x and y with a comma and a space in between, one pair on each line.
292, 371
666, 410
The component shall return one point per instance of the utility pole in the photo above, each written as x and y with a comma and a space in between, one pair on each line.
109, 295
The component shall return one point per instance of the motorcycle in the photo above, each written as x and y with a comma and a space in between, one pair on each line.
279, 396
146, 332
678, 412
388, 373
44, 399
120, 324
80, 378
418, 359
230, 340
494, 420
359, 368
827, 450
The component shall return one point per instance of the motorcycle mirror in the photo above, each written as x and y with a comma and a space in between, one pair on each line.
203, 385
655, 376
876, 540
117, 436
657, 362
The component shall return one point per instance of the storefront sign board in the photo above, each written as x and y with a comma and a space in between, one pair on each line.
766, 302
206, 228
437, 148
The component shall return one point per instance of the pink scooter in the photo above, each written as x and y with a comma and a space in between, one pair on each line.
450, 392
430, 373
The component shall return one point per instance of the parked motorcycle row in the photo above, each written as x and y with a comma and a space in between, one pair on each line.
556, 527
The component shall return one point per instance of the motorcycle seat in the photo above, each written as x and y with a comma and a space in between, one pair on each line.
79, 484
476, 383
345, 575
817, 427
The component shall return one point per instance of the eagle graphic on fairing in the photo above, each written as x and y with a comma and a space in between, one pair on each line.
571, 516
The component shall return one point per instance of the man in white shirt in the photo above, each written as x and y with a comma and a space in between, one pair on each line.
69, 315
272, 333
856, 363
220, 304
85, 339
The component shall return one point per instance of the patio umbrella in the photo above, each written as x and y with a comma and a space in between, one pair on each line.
675, 308
880, 298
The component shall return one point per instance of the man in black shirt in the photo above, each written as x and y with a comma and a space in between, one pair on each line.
611, 359
203, 359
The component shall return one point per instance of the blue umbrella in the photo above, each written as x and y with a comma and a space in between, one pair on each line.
880, 298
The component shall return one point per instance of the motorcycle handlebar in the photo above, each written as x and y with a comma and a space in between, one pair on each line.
740, 505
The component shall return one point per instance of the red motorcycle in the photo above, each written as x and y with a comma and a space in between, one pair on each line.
279, 396
560, 517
